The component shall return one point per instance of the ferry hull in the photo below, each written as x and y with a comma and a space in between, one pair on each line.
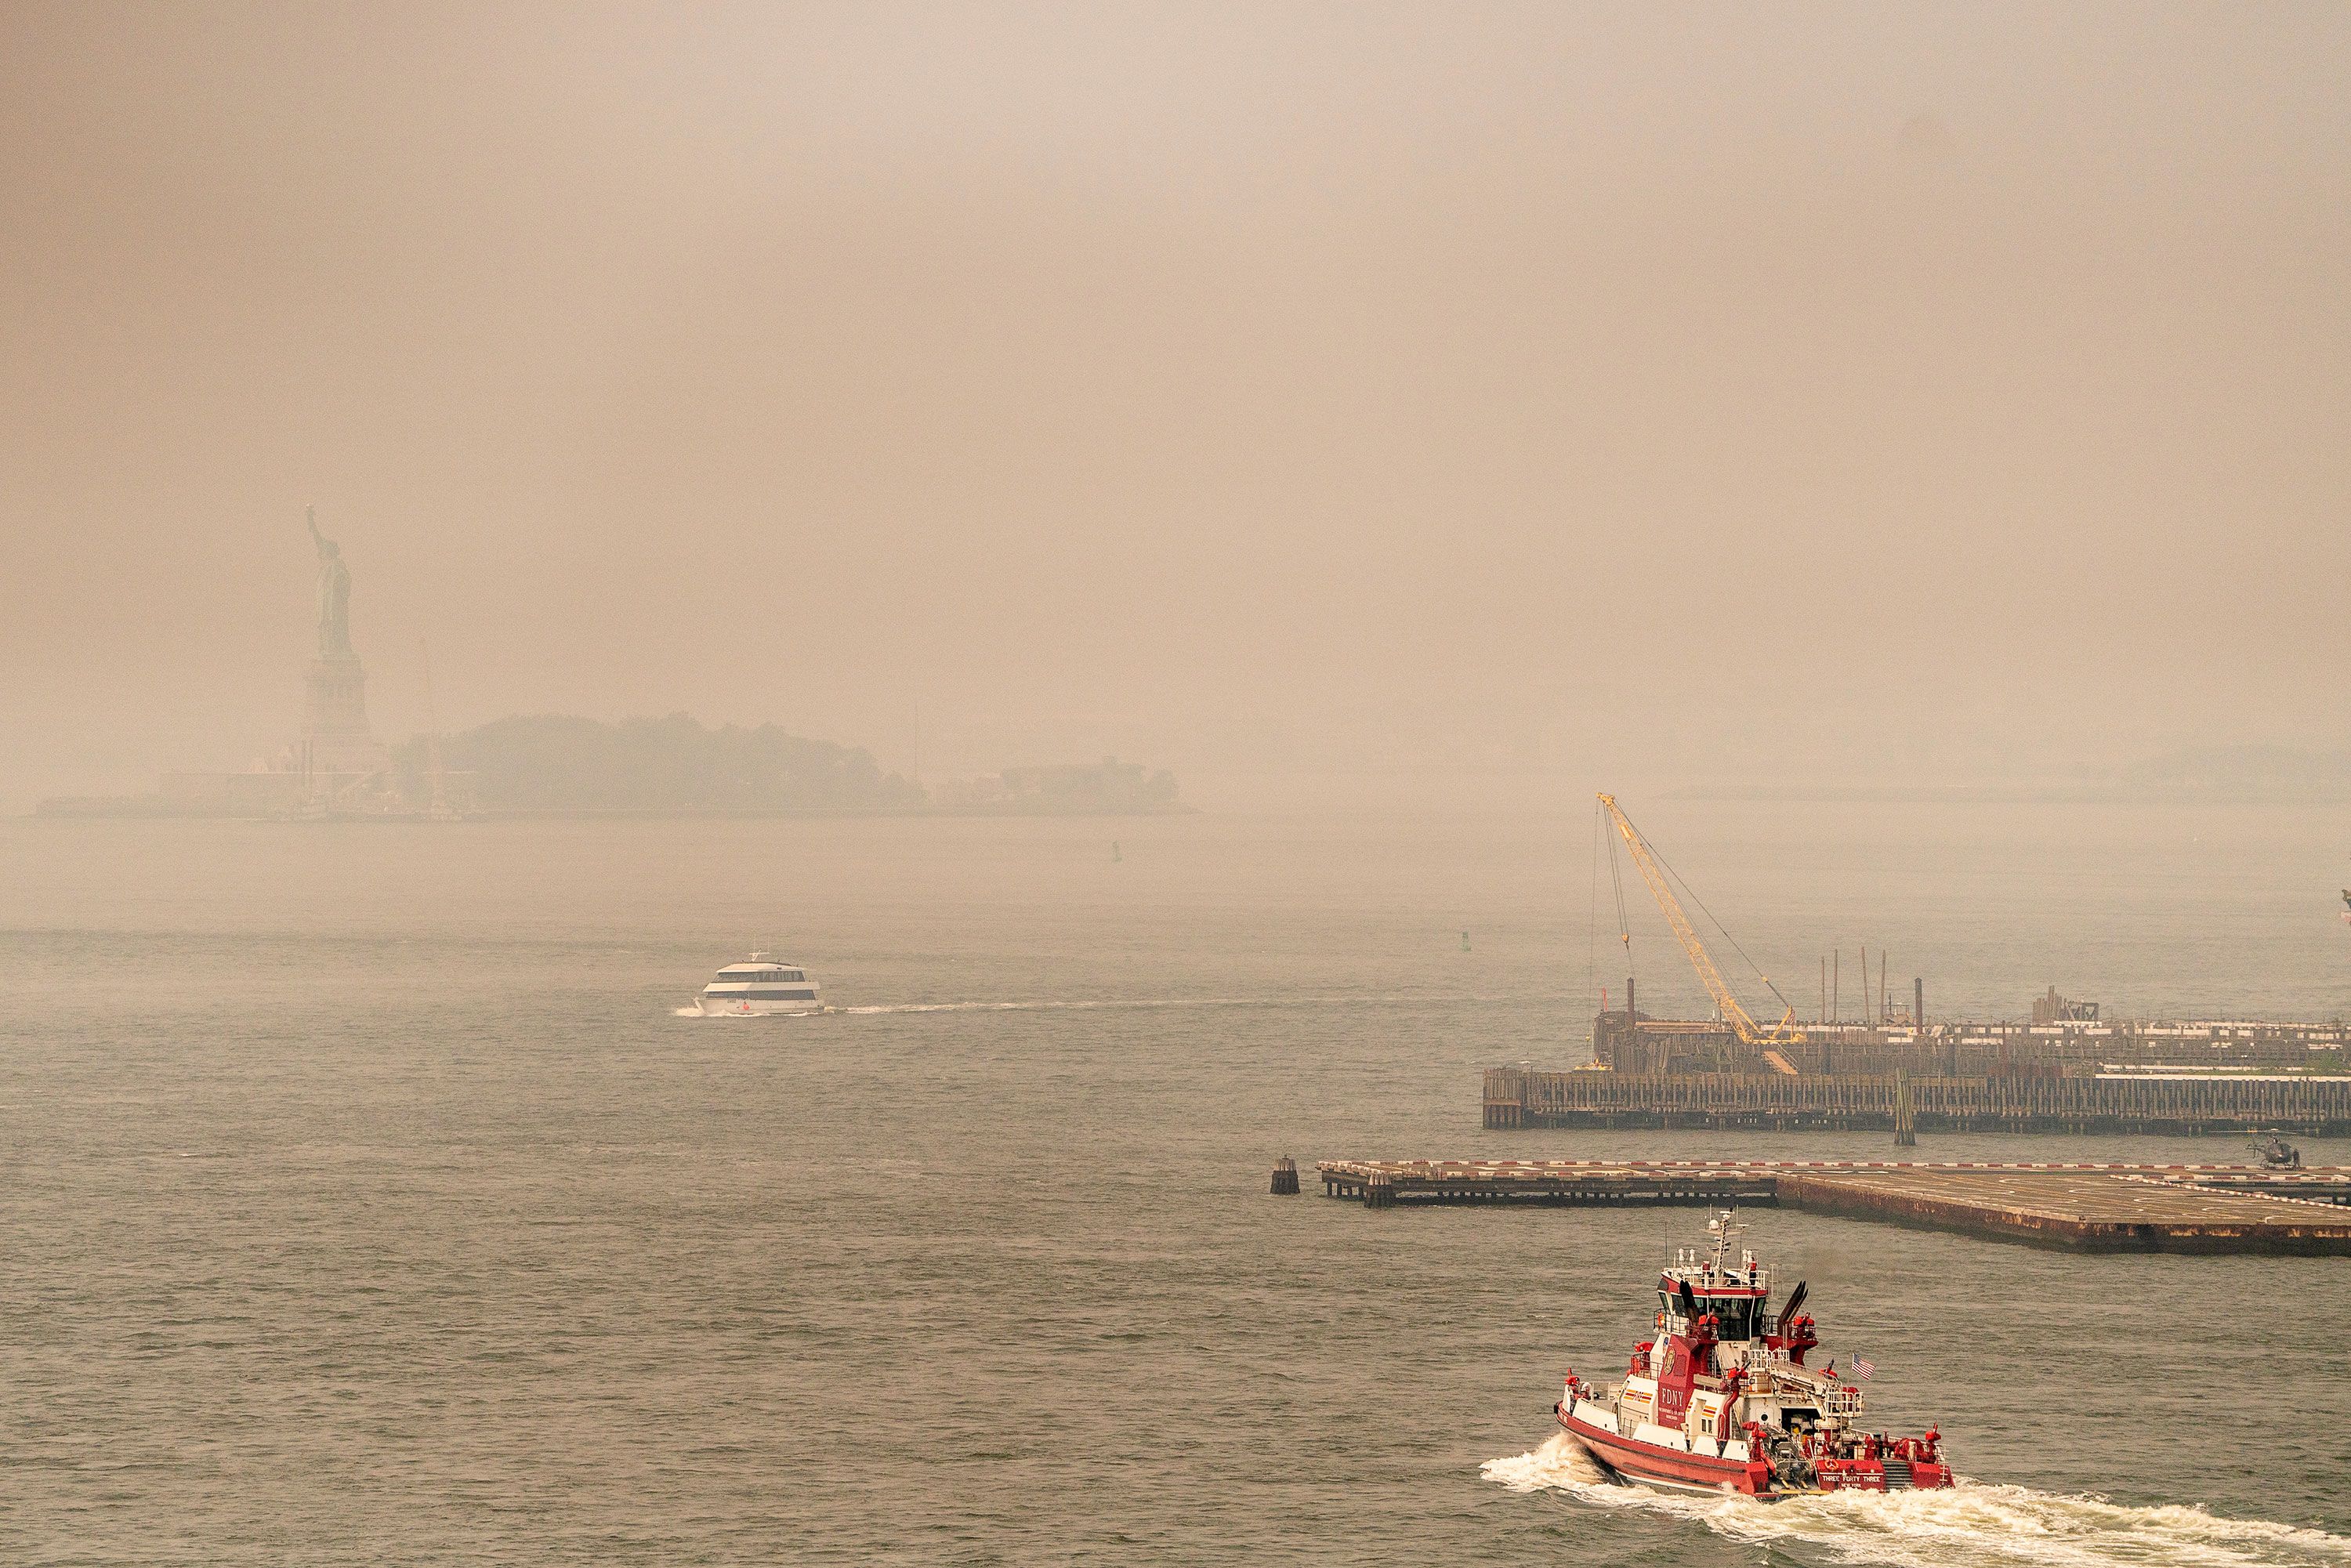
737, 1007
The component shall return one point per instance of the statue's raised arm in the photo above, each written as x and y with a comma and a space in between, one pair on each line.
334, 591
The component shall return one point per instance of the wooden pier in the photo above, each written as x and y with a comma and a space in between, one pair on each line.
2090, 1207
1522, 1097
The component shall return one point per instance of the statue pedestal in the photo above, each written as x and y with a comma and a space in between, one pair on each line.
335, 735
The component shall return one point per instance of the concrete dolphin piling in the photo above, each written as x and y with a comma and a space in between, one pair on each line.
1285, 1177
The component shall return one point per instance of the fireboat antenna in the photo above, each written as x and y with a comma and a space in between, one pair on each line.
1726, 1228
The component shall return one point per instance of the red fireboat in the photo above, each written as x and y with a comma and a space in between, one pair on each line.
1722, 1401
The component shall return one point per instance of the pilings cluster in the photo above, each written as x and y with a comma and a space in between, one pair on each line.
1524, 1097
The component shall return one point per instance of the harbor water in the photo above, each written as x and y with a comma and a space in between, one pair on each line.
368, 1200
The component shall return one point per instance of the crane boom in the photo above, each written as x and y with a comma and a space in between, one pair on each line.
1749, 1032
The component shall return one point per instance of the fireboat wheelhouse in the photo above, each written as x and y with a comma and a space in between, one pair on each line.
1722, 1401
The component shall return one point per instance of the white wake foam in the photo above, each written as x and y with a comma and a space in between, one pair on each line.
1128, 1004
1153, 1003
1969, 1525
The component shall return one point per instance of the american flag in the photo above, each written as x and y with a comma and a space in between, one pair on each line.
1862, 1369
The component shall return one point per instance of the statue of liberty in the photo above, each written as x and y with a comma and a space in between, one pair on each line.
334, 592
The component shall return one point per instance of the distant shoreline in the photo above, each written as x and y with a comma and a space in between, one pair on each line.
564, 766
138, 807
2004, 795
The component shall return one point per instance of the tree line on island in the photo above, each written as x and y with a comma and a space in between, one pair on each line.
561, 763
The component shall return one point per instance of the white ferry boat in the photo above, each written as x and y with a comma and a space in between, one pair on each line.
759, 987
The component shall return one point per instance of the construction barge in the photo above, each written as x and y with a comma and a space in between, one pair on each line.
2082, 1208
1524, 1097
2067, 1071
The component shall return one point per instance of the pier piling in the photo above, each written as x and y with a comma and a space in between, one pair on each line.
2316, 1106
2081, 1207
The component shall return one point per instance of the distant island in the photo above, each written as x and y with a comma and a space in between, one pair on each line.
563, 765
1108, 788
559, 763
566, 765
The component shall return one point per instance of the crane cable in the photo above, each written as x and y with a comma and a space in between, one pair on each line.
1592, 930
1691, 895
1616, 877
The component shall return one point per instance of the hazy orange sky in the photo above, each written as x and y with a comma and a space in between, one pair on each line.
1670, 389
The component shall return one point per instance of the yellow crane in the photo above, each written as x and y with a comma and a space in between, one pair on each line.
1749, 1032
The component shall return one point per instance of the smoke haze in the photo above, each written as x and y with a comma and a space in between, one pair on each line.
1683, 392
